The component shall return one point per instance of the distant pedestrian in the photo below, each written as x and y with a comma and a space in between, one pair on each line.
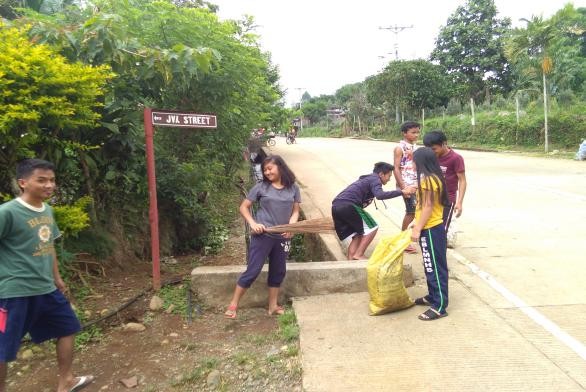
354, 226
429, 231
452, 165
279, 198
31, 288
405, 172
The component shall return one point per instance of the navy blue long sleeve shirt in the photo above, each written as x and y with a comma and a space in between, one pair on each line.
363, 191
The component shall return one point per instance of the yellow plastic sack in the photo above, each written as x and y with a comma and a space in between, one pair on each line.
385, 275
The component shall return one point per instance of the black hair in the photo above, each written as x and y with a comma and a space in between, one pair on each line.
26, 167
382, 167
287, 176
261, 155
434, 138
407, 125
427, 165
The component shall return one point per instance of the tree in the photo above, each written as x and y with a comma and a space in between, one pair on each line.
412, 85
166, 57
196, 4
345, 93
315, 108
471, 47
541, 47
8, 8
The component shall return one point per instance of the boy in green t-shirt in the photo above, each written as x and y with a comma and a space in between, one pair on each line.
31, 289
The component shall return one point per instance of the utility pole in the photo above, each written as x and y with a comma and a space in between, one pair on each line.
300, 101
396, 29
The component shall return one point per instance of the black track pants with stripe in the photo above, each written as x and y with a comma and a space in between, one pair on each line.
435, 264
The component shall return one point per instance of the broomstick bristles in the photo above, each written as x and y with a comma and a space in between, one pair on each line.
318, 225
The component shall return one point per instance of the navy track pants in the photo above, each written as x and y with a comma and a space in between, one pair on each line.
435, 264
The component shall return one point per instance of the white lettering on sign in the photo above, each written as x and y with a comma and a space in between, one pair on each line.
172, 119
185, 120
198, 120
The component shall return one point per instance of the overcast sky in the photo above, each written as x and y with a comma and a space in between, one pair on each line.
321, 45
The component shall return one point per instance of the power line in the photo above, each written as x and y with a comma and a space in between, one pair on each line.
396, 29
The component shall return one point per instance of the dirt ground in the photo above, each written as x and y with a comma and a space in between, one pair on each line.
210, 353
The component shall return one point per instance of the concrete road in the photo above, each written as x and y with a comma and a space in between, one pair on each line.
517, 274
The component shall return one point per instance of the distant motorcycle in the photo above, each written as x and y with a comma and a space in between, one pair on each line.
290, 138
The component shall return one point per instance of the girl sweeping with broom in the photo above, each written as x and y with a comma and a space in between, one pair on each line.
429, 231
278, 197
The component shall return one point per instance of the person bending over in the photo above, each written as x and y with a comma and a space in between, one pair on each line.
354, 226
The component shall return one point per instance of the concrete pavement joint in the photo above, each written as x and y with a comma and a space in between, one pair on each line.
529, 311
495, 310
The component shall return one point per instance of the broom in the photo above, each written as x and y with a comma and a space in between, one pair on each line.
317, 225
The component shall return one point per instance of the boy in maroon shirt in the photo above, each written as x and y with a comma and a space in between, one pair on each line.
452, 164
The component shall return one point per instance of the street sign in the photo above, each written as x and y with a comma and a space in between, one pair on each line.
165, 118
183, 120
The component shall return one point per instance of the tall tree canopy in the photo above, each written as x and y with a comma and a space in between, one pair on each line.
413, 85
471, 47
552, 46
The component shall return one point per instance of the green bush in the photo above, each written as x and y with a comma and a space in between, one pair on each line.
72, 219
95, 241
319, 131
499, 128
298, 252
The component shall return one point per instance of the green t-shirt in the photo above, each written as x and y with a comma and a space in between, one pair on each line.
26, 249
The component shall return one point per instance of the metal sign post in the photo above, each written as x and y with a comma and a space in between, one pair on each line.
164, 119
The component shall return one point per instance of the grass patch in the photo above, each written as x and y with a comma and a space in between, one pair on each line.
198, 373
87, 336
321, 132
292, 351
260, 340
273, 359
258, 374
175, 295
288, 328
242, 358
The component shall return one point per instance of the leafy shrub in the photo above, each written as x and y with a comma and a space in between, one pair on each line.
297, 252
320, 132
216, 233
72, 219
566, 127
95, 240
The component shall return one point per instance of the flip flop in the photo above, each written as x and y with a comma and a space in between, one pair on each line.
421, 301
279, 310
82, 382
231, 312
430, 315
